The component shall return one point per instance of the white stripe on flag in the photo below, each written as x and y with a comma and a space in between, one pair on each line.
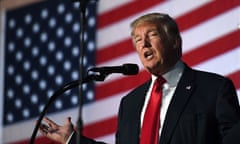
210, 30
104, 35
223, 64
108, 5
102, 109
176, 8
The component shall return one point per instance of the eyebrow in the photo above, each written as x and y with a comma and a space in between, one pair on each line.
148, 31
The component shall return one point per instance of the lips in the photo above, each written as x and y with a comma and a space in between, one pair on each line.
148, 54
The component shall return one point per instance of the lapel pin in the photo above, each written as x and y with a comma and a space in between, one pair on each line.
188, 87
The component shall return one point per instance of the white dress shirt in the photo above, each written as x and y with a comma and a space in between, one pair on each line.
172, 77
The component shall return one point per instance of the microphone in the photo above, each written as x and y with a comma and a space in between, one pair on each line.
126, 69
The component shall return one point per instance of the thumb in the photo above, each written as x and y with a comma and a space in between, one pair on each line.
68, 121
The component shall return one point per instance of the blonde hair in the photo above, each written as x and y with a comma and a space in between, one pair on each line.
167, 27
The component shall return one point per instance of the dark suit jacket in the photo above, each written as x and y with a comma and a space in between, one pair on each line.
204, 110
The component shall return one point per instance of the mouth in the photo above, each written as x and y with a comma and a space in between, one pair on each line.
148, 54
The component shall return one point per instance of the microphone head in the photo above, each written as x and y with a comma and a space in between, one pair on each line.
130, 69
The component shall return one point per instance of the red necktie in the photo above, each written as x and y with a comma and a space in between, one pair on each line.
151, 121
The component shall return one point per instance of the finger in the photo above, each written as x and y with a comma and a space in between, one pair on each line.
44, 128
50, 122
47, 120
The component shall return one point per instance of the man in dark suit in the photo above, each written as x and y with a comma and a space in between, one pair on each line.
196, 107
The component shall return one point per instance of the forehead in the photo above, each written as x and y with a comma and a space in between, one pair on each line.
143, 28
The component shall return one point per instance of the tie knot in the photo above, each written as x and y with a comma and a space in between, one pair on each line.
158, 84
160, 80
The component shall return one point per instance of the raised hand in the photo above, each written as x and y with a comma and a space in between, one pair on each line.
56, 132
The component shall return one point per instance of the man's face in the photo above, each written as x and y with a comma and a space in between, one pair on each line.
149, 46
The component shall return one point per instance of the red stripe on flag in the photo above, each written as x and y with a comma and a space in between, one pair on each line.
120, 85
125, 11
199, 15
101, 128
210, 50
115, 50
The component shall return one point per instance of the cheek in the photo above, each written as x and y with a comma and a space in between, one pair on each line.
140, 55
161, 46
138, 50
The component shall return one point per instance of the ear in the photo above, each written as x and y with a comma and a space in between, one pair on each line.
177, 43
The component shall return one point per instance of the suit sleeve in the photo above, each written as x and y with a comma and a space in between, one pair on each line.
228, 113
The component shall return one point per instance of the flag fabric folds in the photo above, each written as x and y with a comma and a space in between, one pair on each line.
41, 52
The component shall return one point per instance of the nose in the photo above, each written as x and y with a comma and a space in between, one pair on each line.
146, 42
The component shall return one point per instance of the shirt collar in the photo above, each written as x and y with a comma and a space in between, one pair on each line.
173, 76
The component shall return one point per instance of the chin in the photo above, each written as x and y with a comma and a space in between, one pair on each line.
156, 70
151, 70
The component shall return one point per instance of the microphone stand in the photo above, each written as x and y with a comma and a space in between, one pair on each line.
101, 77
83, 6
70, 85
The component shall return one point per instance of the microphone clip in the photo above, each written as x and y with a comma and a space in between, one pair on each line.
97, 76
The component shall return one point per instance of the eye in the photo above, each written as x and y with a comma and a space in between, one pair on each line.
153, 34
138, 39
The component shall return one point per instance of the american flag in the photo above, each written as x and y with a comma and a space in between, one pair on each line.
41, 54
211, 41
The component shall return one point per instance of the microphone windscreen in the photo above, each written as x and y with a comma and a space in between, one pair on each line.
130, 69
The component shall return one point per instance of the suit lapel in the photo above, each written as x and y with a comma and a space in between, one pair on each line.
177, 105
140, 102
136, 117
